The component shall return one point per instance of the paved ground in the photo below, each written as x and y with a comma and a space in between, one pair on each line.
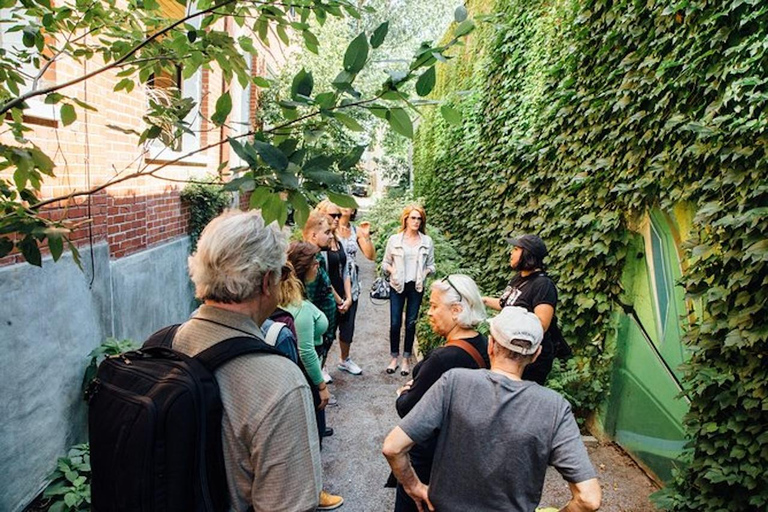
352, 460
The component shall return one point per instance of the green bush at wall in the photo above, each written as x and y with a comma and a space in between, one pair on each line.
578, 118
205, 201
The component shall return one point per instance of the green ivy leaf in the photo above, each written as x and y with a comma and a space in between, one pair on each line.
400, 122
379, 35
31, 251
68, 114
348, 121
464, 28
426, 82
274, 209
300, 207
223, 108
356, 55
302, 84
450, 114
342, 200
272, 156
56, 246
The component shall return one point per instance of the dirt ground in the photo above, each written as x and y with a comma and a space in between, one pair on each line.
352, 461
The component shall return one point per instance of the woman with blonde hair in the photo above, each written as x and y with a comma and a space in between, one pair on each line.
310, 323
408, 260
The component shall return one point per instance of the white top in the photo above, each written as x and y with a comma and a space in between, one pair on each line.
410, 257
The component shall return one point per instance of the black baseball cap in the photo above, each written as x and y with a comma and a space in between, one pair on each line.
531, 243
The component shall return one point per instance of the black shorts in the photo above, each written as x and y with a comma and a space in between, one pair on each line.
347, 323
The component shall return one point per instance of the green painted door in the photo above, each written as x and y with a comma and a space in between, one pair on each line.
645, 412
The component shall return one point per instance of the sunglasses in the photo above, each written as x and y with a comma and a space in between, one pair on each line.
335, 215
447, 280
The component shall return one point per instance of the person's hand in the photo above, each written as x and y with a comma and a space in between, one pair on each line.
325, 395
364, 228
420, 495
345, 305
405, 387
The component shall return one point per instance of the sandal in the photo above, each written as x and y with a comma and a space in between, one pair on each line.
393, 366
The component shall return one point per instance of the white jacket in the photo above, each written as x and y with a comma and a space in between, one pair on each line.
394, 261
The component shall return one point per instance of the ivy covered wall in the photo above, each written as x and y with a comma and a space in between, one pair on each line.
579, 117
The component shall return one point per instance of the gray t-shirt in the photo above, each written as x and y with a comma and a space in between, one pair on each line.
496, 437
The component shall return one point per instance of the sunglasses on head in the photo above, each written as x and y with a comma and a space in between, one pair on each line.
447, 280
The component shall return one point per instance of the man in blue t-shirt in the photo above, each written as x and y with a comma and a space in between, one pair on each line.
496, 433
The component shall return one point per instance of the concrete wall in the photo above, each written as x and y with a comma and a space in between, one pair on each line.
50, 319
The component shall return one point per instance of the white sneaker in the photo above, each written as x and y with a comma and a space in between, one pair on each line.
349, 365
332, 400
327, 376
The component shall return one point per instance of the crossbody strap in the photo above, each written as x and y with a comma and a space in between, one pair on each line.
469, 349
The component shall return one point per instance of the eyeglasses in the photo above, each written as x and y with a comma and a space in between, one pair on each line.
447, 280
335, 215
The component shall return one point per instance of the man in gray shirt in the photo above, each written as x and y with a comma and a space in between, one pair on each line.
496, 434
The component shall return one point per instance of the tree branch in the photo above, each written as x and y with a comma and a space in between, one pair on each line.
143, 171
31, 94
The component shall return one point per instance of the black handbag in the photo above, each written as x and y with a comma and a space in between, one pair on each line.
380, 288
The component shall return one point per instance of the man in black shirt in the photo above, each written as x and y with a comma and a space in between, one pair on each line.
532, 289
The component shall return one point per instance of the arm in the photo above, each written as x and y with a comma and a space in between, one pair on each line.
429, 373
430, 258
545, 312
492, 303
386, 262
285, 455
347, 293
306, 330
586, 496
396, 448
364, 240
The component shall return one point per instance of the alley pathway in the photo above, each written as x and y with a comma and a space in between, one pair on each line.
352, 461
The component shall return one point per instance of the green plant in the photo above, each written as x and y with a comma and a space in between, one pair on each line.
578, 118
110, 347
70, 487
206, 200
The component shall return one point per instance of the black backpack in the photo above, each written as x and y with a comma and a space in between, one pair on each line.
154, 423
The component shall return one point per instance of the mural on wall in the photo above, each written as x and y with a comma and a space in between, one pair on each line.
647, 404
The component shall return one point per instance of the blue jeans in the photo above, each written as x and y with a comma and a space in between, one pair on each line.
410, 300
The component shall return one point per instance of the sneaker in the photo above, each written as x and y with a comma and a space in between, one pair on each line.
332, 400
349, 365
327, 376
329, 501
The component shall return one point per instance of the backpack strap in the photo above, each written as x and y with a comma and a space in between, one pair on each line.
273, 332
469, 349
226, 350
163, 337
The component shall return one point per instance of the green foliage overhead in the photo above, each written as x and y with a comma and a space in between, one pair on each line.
580, 117
141, 42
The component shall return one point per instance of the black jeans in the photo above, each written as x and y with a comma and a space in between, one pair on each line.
410, 300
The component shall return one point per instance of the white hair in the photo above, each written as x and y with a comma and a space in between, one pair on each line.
234, 253
466, 294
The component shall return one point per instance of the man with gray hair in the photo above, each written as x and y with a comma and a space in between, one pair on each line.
271, 450
496, 434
